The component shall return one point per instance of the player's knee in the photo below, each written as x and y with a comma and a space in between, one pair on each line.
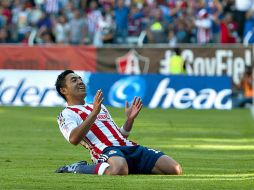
121, 169
177, 170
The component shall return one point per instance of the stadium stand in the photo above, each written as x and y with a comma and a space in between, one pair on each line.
100, 22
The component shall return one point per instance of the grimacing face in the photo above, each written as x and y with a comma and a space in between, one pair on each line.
74, 86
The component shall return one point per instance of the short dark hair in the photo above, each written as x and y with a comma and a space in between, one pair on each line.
60, 81
177, 51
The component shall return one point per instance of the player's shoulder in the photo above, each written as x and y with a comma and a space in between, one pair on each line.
90, 106
66, 112
67, 115
103, 106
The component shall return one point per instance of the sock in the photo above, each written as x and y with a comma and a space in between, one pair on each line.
92, 169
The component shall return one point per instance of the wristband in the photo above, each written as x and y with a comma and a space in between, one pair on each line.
124, 132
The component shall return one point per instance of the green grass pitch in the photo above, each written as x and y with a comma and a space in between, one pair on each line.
215, 149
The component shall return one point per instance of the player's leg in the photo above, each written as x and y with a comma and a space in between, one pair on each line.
156, 162
116, 160
117, 166
167, 165
83, 168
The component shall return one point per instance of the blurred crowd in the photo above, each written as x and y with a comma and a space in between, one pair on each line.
99, 22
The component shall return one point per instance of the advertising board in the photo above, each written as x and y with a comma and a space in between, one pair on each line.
37, 88
164, 91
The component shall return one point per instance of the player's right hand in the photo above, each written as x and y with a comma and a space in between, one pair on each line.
98, 98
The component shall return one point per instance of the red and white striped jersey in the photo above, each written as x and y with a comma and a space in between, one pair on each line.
103, 133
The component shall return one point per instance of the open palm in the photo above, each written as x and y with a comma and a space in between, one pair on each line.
133, 110
98, 98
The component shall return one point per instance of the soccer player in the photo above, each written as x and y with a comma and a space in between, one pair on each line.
91, 126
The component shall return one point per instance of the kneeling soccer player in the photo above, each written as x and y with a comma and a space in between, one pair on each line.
91, 126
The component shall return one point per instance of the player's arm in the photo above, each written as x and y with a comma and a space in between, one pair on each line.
78, 133
131, 113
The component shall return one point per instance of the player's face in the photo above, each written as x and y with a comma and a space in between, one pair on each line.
74, 86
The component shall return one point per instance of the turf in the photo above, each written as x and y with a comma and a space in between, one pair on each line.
215, 149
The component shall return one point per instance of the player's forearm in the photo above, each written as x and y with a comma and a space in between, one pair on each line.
79, 132
126, 128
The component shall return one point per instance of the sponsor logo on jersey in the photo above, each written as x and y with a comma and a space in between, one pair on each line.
102, 117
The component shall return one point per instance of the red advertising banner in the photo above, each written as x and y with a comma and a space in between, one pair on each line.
48, 58
216, 60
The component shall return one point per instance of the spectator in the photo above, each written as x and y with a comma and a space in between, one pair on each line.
172, 41
249, 27
6, 12
215, 10
44, 21
135, 21
68, 10
62, 30
121, 18
35, 15
242, 7
3, 35
109, 30
204, 27
22, 22
227, 28
106, 28
157, 30
182, 33
228, 6
176, 63
77, 28
246, 89
93, 17
3, 20
47, 37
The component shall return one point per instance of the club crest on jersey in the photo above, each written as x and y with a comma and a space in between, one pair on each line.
103, 109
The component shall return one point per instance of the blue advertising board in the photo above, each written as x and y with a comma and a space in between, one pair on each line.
164, 91
36, 88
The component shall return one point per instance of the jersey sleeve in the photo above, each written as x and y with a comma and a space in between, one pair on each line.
67, 121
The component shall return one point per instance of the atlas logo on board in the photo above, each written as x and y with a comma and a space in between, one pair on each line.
132, 63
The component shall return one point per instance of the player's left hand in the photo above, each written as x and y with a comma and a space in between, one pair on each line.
98, 98
133, 110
